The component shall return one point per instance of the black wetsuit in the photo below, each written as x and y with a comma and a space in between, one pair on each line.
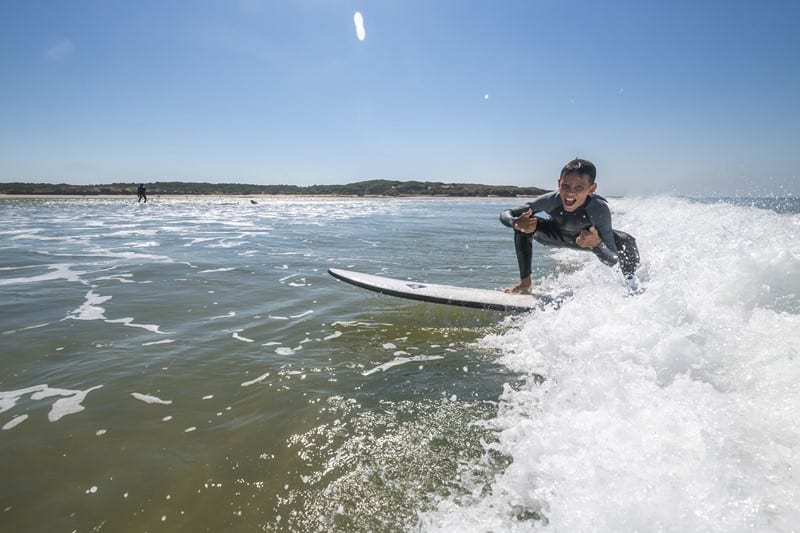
562, 227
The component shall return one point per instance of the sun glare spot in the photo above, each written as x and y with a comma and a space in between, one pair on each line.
358, 20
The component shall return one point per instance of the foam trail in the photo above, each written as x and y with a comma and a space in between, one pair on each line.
241, 338
8, 399
147, 398
14, 422
56, 272
91, 309
26, 328
128, 321
397, 361
69, 405
165, 341
259, 379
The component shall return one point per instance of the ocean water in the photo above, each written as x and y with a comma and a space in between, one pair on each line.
188, 365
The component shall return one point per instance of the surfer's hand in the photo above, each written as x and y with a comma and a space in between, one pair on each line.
589, 238
526, 222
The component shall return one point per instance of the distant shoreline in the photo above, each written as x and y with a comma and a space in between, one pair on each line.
4, 196
370, 188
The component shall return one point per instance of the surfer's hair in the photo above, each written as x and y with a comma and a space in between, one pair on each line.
581, 167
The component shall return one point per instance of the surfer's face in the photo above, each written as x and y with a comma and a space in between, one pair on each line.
574, 189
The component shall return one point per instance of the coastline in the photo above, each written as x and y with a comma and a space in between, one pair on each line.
4, 196
134, 197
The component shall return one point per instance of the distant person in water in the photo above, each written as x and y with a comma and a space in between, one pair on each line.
142, 193
575, 217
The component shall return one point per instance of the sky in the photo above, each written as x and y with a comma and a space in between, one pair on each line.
697, 98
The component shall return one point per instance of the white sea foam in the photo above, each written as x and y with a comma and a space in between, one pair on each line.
14, 422
70, 404
673, 410
132, 232
103, 252
148, 398
128, 321
60, 271
90, 310
197, 240
143, 244
259, 379
165, 341
122, 278
9, 399
240, 338
35, 236
401, 360
26, 328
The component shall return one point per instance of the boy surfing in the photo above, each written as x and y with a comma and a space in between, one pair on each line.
576, 218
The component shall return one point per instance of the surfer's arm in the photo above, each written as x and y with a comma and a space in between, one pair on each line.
606, 252
525, 222
600, 216
544, 202
510, 216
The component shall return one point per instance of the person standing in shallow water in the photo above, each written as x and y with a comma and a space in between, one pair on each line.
576, 218
142, 193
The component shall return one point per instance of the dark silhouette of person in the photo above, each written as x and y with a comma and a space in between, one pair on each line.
142, 193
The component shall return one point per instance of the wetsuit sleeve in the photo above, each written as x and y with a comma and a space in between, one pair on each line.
544, 202
600, 217
507, 217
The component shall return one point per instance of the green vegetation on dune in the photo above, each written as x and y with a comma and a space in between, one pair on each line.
361, 188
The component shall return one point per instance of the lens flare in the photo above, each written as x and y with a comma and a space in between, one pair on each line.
358, 20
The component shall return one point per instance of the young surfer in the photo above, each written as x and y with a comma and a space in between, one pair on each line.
575, 218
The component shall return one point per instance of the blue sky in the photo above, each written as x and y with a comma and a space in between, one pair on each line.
687, 97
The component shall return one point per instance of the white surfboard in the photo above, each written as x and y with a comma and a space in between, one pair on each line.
445, 294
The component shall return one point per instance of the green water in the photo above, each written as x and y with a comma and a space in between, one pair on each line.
229, 382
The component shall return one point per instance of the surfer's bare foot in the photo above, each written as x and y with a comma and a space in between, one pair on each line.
523, 287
